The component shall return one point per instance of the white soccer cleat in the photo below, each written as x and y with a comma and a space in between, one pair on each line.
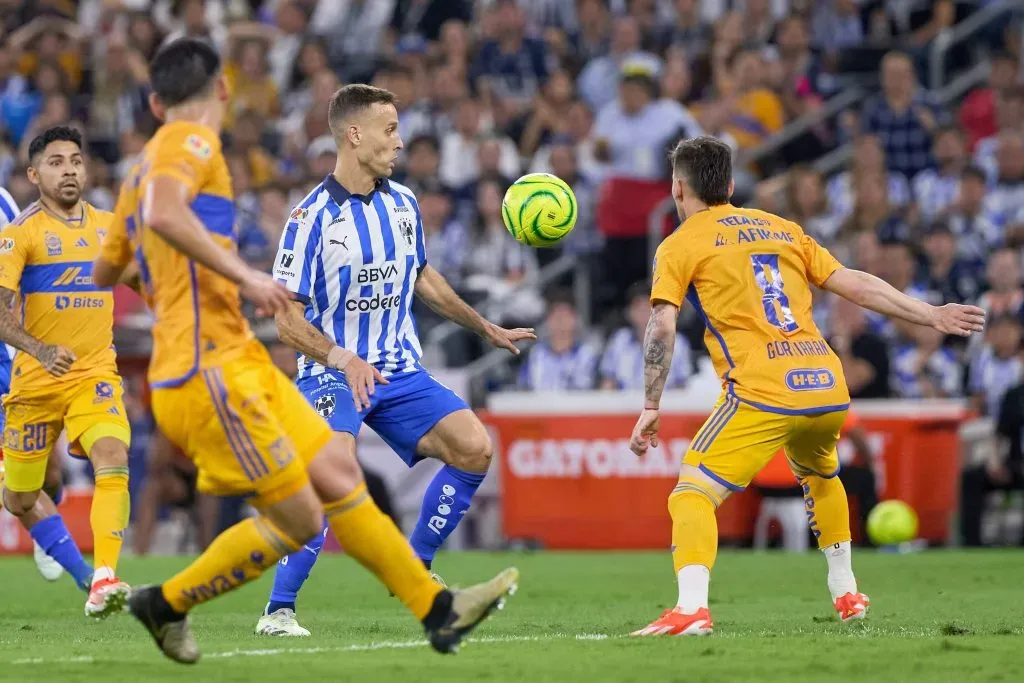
282, 624
107, 596
47, 566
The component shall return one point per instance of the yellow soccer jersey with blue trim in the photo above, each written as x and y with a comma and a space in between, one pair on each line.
748, 274
199, 321
49, 263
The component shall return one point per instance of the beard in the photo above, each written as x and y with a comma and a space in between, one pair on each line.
67, 196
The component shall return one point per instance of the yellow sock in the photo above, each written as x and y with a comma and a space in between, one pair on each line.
109, 516
369, 536
828, 513
694, 527
236, 557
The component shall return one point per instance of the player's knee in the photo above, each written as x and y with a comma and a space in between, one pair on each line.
335, 471
305, 526
19, 503
471, 452
691, 486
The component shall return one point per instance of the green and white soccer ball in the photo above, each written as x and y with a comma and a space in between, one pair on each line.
539, 209
892, 522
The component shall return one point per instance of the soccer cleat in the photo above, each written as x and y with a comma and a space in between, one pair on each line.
852, 606
106, 597
470, 606
673, 622
47, 566
174, 638
280, 623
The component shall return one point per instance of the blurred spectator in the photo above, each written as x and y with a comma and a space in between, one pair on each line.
935, 189
1009, 105
872, 213
561, 360
904, 117
977, 231
688, 32
460, 149
18, 104
758, 22
998, 367
921, 366
899, 267
868, 158
550, 112
309, 122
863, 353
273, 212
584, 238
426, 17
807, 205
143, 35
1005, 294
198, 19
599, 81
755, 111
414, 116
512, 66
837, 25
1003, 471
249, 81
422, 160
978, 110
1005, 201
955, 280
445, 238
622, 363
579, 127
246, 138
590, 40
676, 80
120, 89
354, 30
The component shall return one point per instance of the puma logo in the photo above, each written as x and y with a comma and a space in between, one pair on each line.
341, 242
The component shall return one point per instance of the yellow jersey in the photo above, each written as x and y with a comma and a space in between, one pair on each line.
198, 314
48, 261
748, 274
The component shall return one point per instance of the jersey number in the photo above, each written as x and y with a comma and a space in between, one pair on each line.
776, 303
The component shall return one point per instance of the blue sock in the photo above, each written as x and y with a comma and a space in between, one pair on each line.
292, 572
58, 496
444, 504
53, 537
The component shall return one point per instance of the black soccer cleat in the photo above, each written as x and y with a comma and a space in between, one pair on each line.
470, 607
172, 636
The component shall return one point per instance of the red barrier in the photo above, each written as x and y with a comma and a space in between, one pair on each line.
14, 540
571, 481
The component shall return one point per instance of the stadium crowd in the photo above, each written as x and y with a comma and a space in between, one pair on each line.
595, 91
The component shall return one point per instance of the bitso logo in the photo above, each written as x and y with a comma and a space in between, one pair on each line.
63, 302
325, 405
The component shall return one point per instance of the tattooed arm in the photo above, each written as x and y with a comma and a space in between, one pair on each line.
55, 359
659, 343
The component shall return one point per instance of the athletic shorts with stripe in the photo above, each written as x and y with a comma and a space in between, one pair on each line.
245, 426
738, 440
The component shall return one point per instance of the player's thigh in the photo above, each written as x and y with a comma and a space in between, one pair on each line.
324, 398
32, 428
736, 442
97, 422
418, 417
223, 420
811, 446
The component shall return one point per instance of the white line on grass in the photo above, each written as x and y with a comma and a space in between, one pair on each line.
368, 647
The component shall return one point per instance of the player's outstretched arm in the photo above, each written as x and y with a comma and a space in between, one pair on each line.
435, 291
295, 331
55, 359
875, 294
168, 214
659, 344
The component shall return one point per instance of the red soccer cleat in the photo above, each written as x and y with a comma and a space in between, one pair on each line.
673, 622
852, 606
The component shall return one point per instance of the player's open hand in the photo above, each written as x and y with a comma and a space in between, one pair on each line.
361, 377
645, 434
506, 339
56, 359
269, 295
959, 319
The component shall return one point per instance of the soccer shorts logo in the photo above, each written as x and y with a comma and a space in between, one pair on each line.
325, 405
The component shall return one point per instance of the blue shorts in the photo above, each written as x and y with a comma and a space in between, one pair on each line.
401, 412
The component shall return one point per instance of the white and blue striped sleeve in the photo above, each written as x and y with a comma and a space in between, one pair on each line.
295, 264
8, 208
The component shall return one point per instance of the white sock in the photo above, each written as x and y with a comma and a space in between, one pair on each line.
693, 588
101, 573
840, 569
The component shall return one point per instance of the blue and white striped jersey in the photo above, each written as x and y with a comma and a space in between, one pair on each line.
8, 212
353, 260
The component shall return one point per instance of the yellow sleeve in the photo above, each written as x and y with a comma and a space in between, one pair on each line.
673, 271
14, 254
819, 262
187, 154
117, 248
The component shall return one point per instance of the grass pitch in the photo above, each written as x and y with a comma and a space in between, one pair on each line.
936, 616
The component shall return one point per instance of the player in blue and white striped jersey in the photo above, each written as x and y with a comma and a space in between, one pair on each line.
353, 256
8, 208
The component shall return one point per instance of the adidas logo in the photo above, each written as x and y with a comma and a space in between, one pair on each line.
81, 242
114, 411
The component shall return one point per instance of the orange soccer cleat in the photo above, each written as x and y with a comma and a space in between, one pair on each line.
673, 622
852, 606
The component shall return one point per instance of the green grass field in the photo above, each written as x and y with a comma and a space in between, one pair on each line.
936, 616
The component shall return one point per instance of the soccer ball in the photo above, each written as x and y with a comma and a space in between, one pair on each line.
539, 209
892, 522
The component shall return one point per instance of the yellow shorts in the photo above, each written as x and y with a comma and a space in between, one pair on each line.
89, 410
738, 440
246, 427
